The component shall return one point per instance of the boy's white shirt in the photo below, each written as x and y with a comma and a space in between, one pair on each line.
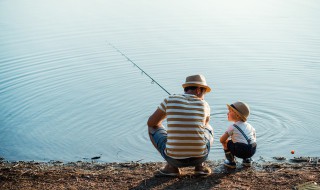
237, 136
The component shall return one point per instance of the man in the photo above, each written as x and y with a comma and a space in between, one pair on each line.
189, 136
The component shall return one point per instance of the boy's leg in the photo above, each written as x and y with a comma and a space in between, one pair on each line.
229, 155
248, 161
230, 160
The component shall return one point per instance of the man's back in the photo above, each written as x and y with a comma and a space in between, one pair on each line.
186, 116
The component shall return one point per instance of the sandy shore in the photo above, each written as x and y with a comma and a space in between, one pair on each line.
134, 175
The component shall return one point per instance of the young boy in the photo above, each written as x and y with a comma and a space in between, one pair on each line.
240, 138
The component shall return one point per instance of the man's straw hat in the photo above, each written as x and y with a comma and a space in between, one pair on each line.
196, 80
240, 108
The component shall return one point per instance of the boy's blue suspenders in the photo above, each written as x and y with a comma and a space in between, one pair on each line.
245, 136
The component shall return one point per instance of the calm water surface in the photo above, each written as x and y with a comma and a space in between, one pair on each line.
65, 94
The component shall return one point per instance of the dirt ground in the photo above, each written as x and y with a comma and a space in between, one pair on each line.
135, 175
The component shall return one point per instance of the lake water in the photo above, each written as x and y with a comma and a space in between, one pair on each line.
65, 94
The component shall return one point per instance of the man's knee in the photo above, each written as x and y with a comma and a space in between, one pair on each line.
158, 137
155, 128
152, 130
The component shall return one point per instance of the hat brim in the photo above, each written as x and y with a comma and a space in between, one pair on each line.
208, 89
237, 112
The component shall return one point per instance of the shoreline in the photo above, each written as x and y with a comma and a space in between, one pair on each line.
280, 174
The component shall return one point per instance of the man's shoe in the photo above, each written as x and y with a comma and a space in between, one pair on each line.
169, 170
229, 164
202, 170
247, 162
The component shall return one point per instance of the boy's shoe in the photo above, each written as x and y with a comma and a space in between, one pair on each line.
230, 164
169, 170
202, 170
247, 162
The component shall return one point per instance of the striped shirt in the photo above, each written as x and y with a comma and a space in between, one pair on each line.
186, 117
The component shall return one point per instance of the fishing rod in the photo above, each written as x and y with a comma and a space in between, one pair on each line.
153, 81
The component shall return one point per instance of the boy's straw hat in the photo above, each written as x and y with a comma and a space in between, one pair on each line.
196, 80
240, 108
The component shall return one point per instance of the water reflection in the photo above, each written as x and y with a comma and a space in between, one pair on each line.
66, 95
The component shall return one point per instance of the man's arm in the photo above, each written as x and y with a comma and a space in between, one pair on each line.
155, 120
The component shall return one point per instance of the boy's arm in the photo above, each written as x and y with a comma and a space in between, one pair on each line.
224, 137
207, 120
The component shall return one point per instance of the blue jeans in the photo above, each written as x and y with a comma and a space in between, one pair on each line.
160, 139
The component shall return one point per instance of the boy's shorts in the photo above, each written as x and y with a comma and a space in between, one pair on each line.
242, 150
160, 139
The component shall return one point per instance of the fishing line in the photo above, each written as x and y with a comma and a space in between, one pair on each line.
152, 80
142, 71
